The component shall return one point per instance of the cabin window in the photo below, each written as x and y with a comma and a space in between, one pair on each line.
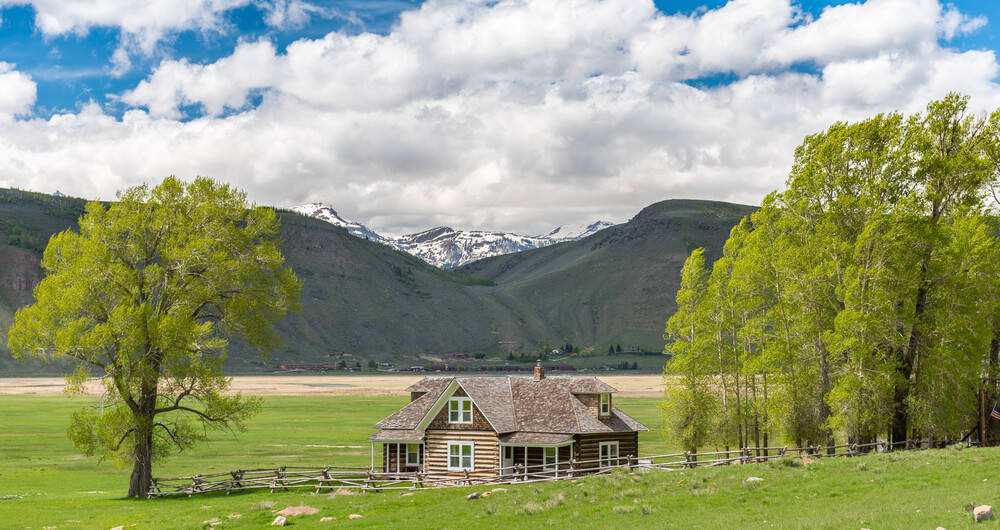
609, 454
605, 404
460, 456
460, 410
550, 458
413, 454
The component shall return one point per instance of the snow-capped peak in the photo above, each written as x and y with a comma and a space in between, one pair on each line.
327, 213
446, 247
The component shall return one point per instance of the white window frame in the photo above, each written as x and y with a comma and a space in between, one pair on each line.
415, 453
607, 458
458, 414
472, 456
550, 462
605, 404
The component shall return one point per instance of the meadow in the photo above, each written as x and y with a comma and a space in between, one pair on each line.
44, 482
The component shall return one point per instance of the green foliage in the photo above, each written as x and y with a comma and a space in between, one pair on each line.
862, 301
147, 294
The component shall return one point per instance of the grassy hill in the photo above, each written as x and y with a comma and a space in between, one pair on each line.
363, 300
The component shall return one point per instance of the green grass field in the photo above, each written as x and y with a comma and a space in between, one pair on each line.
54, 486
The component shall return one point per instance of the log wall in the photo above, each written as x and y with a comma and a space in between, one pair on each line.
486, 449
587, 446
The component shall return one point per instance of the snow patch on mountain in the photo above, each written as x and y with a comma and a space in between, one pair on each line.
328, 214
446, 247
576, 231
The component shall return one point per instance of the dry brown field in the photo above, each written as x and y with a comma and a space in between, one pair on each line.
321, 385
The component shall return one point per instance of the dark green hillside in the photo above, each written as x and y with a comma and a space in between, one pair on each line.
27, 220
363, 300
617, 285
371, 301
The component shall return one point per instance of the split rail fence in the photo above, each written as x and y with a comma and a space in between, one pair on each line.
376, 479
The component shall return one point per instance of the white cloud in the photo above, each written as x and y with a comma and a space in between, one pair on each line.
17, 92
222, 85
516, 114
296, 13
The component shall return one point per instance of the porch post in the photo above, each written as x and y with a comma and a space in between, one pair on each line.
397, 457
373, 455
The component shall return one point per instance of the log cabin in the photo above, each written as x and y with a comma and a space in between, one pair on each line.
486, 426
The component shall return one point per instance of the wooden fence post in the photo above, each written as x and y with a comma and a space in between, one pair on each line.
572, 467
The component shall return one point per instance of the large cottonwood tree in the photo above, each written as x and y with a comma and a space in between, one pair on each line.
145, 296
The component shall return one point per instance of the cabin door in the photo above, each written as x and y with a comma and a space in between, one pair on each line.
507, 462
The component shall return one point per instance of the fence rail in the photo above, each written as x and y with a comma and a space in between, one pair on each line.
375, 479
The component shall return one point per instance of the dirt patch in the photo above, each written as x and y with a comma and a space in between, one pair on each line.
321, 385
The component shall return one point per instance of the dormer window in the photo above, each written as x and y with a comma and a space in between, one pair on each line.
460, 410
605, 404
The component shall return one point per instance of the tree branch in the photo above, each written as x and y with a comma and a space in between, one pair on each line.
120, 442
204, 416
187, 392
172, 437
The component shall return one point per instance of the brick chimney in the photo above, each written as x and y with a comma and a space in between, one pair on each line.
539, 371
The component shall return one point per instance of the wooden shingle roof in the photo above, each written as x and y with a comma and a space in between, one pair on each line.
518, 405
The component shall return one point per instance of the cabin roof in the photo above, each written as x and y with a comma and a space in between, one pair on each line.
397, 435
513, 404
541, 438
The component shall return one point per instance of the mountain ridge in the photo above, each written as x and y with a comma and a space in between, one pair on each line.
446, 247
363, 300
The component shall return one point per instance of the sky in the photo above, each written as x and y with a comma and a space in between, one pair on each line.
515, 115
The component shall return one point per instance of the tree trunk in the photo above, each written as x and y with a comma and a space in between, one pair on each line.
142, 469
825, 412
901, 416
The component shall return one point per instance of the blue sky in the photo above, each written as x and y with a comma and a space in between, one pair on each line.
479, 114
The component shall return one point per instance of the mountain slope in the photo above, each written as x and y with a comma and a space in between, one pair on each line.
619, 284
325, 213
576, 231
364, 300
